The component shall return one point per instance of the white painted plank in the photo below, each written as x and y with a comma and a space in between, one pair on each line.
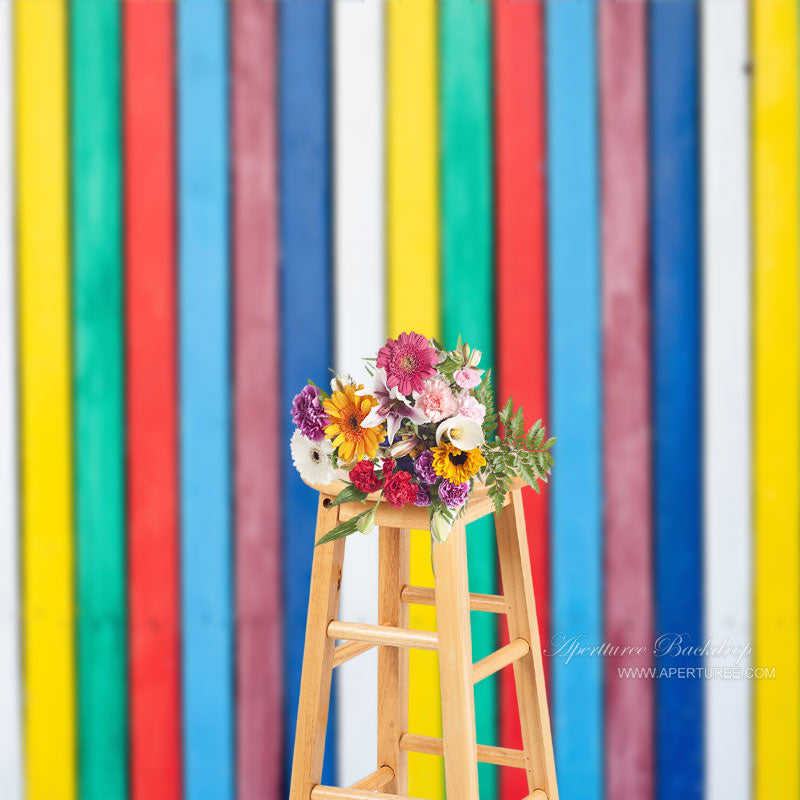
727, 417
10, 685
360, 329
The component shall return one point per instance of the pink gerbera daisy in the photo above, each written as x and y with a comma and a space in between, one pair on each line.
408, 361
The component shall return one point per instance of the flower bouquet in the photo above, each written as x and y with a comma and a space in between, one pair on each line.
424, 433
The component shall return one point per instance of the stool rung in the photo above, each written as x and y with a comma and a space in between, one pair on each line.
502, 756
537, 794
383, 634
493, 603
499, 659
332, 793
375, 780
344, 652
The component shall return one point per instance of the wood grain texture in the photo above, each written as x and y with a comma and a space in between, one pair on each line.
528, 671
382, 635
305, 227
413, 241
502, 756
332, 793
521, 303
98, 397
575, 389
205, 400
315, 684
11, 762
359, 281
468, 273
394, 565
259, 606
151, 398
345, 652
494, 662
727, 421
494, 604
776, 397
40, 70
628, 612
376, 780
676, 343
455, 660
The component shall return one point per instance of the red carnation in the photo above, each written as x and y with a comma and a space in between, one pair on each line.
387, 468
399, 489
364, 478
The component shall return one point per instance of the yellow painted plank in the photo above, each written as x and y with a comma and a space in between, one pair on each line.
414, 302
43, 281
777, 396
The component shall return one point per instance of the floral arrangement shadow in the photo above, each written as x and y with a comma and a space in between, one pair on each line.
423, 434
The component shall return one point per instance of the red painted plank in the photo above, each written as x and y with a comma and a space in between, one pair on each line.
626, 368
151, 400
521, 284
259, 671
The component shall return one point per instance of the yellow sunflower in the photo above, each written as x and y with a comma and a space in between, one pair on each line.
457, 466
346, 411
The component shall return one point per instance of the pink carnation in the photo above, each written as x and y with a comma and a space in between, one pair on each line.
437, 400
469, 407
468, 378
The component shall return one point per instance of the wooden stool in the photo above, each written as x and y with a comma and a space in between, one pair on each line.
457, 672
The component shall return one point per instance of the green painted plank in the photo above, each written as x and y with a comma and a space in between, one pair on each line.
98, 397
468, 276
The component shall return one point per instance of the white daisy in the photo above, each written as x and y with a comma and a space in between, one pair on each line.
312, 459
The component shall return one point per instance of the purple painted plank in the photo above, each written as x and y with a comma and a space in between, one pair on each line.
259, 643
626, 365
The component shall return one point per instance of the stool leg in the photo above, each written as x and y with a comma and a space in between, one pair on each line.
455, 665
393, 574
534, 715
315, 683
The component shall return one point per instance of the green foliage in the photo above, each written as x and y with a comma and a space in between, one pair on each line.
322, 392
345, 528
516, 453
438, 507
449, 366
484, 394
348, 495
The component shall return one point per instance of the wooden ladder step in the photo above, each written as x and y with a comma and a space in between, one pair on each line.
500, 658
502, 756
332, 793
537, 794
375, 780
344, 652
493, 603
383, 634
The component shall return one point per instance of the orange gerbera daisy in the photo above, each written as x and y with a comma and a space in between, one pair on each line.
347, 410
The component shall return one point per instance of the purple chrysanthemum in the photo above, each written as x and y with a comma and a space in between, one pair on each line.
454, 495
423, 498
308, 413
423, 466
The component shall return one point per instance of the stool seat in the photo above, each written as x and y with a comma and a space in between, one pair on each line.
479, 505
452, 640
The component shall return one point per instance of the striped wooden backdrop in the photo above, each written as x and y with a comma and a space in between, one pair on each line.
204, 204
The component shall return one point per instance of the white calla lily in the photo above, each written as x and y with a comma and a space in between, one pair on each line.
463, 432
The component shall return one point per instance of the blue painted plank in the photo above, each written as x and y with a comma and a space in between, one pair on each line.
306, 327
674, 126
205, 413
575, 381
